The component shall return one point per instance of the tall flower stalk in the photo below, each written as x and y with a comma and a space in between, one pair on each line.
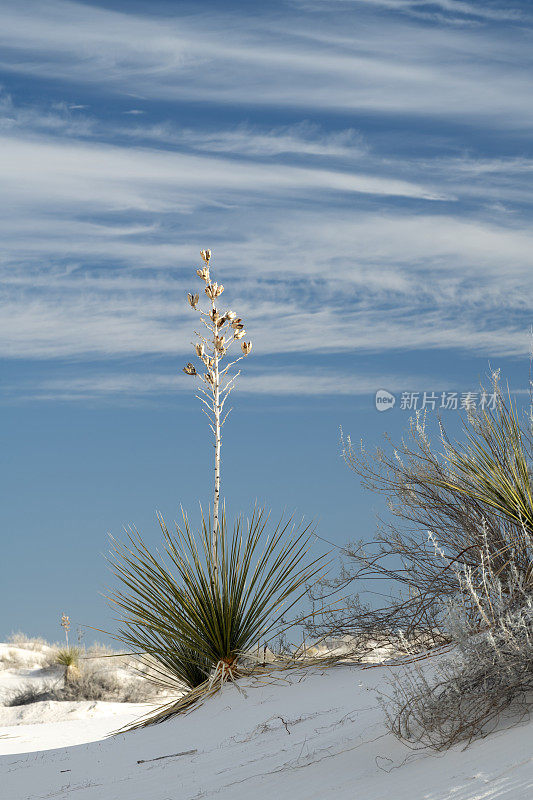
223, 330
65, 624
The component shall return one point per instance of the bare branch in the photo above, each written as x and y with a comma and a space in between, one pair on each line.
224, 371
226, 416
231, 381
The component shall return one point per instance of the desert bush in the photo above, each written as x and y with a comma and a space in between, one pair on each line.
99, 650
106, 685
20, 639
92, 684
28, 693
448, 491
12, 659
49, 660
102, 655
487, 679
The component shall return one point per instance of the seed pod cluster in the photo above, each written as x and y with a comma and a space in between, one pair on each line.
225, 328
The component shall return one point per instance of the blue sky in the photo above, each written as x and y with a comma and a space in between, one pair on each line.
361, 170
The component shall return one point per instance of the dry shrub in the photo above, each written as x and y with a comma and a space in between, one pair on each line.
28, 693
11, 659
99, 650
20, 639
92, 684
487, 680
461, 492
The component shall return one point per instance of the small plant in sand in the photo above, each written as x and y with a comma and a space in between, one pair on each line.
195, 610
69, 657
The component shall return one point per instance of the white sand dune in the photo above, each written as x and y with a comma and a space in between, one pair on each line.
304, 736
51, 724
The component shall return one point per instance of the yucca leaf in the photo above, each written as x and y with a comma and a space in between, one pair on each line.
493, 467
188, 613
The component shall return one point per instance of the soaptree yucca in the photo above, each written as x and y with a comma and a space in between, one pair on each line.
197, 620
69, 657
493, 465
195, 610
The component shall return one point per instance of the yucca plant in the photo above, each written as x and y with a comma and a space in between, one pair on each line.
195, 611
69, 657
197, 620
493, 466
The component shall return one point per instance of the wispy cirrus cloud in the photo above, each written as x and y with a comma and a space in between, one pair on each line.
132, 387
303, 139
119, 177
421, 71
72, 316
452, 10
384, 231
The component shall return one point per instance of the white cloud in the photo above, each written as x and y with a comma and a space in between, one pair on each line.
302, 139
245, 61
92, 324
341, 282
427, 8
328, 242
131, 386
108, 176
56, 119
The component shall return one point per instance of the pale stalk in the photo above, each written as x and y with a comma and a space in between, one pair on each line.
216, 410
215, 397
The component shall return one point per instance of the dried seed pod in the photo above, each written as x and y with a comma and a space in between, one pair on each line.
239, 334
236, 322
209, 378
190, 369
193, 299
213, 290
199, 350
246, 347
203, 273
230, 315
219, 342
206, 255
